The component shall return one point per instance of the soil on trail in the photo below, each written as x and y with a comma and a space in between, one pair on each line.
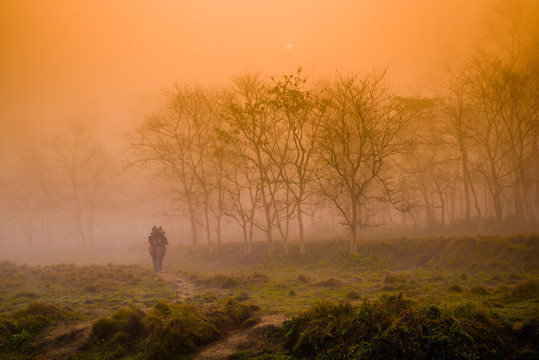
64, 340
264, 334
61, 341
184, 287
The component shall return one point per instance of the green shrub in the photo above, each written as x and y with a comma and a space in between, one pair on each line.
230, 314
26, 294
37, 316
529, 333
90, 288
331, 282
479, 290
514, 276
258, 276
353, 295
176, 329
394, 278
16, 331
124, 326
48, 311
455, 288
390, 328
528, 289
229, 282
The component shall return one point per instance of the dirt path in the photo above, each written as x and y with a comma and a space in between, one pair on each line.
184, 287
256, 337
61, 341
262, 334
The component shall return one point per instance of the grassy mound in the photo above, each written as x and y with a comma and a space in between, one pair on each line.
17, 330
396, 328
177, 329
166, 331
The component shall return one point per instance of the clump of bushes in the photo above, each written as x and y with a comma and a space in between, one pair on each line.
167, 330
118, 335
395, 278
37, 315
125, 323
175, 329
353, 295
16, 331
90, 288
455, 288
331, 282
230, 281
479, 290
27, 295
514, 276
528, 289
230, 314
392, 328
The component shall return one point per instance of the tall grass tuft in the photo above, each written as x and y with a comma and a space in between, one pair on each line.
392, 328
528, 289
175, 329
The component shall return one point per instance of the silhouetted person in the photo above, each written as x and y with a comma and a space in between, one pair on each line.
158, 242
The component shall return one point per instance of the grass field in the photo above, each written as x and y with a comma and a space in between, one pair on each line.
476, 288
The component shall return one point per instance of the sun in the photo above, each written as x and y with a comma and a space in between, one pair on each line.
289, 46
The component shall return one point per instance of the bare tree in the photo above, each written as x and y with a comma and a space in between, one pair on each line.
242, 196
359, 133
23, 197
457, 113
176, 138
81, 167
301, 110
519, 112
252, 129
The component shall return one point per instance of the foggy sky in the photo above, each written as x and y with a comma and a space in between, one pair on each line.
95, 60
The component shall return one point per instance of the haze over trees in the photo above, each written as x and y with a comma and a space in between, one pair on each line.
267, 158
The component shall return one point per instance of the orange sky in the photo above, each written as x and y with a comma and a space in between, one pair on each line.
91, 59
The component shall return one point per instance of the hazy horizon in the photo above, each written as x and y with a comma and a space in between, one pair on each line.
99, 60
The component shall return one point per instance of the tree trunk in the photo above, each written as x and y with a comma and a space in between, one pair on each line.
353, 240
466, 173
267, 210
300, 228
245, 240
194, 237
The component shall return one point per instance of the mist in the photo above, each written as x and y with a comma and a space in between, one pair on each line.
360, 152
95, 60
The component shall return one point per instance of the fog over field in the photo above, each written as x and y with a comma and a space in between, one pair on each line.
266, 121
256, 179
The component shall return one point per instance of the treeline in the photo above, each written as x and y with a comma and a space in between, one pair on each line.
270, 153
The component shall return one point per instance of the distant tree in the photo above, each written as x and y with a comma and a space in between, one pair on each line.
457, 113
81, 167
359, 136
242, 194
300, 109
23, 197
488, 130
429, 163
176, 138
253, 132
